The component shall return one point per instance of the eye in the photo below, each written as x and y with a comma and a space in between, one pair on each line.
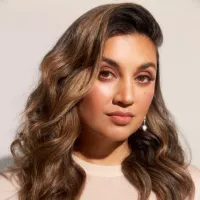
144, 79
106, 74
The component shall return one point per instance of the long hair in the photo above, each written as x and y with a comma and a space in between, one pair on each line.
50, 126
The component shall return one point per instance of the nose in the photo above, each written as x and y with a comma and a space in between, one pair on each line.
124, 93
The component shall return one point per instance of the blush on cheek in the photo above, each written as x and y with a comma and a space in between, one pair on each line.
96, 99
149, 95
147, 98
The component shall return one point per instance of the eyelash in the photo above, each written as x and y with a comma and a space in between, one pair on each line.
143, 76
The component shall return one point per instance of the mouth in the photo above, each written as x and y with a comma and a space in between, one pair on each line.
120, 120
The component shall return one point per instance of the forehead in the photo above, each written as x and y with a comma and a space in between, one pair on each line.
134, 49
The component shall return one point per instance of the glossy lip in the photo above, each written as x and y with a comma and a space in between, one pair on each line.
121, 118
122, 114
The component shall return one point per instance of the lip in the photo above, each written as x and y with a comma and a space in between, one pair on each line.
122, 114
120, 120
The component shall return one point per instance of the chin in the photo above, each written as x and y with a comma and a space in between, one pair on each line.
117, 137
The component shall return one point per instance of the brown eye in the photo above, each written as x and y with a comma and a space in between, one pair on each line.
145, 79
106, 74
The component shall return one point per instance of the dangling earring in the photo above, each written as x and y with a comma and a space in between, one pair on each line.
144, 126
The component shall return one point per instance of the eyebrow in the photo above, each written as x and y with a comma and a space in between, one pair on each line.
141, 67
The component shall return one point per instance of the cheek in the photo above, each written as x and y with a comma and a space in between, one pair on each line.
145, 99
95, 101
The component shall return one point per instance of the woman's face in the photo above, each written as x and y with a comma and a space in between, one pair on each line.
125, 83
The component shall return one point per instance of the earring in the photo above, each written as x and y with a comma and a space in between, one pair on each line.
144, 126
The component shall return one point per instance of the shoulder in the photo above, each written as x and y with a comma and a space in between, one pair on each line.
195, 174
8, 187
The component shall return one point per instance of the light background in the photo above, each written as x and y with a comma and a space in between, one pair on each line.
28, 29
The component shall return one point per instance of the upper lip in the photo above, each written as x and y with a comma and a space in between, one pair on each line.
123, 114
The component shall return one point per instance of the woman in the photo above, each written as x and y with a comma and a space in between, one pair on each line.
96, 126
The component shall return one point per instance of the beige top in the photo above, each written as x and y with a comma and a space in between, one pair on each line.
102, 182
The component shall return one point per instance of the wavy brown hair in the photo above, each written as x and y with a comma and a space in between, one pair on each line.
50, 126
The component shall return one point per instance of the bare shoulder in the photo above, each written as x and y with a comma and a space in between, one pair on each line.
195, 174
8, 187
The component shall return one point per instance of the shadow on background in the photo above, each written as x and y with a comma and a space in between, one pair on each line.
5, 162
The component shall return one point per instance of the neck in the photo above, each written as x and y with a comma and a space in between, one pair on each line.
102, 151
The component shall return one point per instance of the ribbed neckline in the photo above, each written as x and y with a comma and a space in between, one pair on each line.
98, 170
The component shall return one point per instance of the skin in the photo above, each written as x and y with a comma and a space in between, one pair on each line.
125, 88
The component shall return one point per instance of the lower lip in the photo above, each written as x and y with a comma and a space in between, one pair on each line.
121, 120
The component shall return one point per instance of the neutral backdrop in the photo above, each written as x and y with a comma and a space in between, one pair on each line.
28, 29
